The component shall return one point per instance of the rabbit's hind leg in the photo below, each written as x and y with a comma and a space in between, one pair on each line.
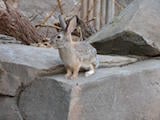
91, 71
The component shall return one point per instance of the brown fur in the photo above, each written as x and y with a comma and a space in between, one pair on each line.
75, 55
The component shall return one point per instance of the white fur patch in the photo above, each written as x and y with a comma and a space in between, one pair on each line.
89, 73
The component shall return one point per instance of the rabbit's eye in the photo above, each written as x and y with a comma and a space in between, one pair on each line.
58, 36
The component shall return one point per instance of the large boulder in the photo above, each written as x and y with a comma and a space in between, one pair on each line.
122, 93
45, 99
134, 31
9, 84
23, 61
56, 98
9, 109
29, 56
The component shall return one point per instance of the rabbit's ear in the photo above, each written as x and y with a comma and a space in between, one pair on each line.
72, 25
62, 23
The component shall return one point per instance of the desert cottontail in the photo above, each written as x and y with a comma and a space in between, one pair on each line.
75, 55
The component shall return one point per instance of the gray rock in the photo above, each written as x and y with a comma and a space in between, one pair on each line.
45, 99
4, 39
115, 61
121, 93
9, 84
40, 9
9, 109
134, 31
124, 2
24, 61
35, 57
130, 93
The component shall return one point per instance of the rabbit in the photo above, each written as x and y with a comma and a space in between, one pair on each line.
75, 55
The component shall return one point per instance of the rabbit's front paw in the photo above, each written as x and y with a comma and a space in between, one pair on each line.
68, 74
74, 77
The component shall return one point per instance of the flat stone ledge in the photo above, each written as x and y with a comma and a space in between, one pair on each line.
38, 58
25, 61
120, 93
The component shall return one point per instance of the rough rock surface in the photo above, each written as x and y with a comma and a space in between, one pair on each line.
45, 100
131, 90
9, 84
43, 58
40, 6
123, 93
4, 39
9, 109
114, 61
134, 31
30, 56
23, 61
124, 2
38, 10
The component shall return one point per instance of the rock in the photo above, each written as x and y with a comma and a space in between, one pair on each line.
134, 31
24, 61
35, 57
4, 39
124, 3
42, 8
120, 5
121, 93
115, 61
9, 109
38, 10
9, 84
50, 102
